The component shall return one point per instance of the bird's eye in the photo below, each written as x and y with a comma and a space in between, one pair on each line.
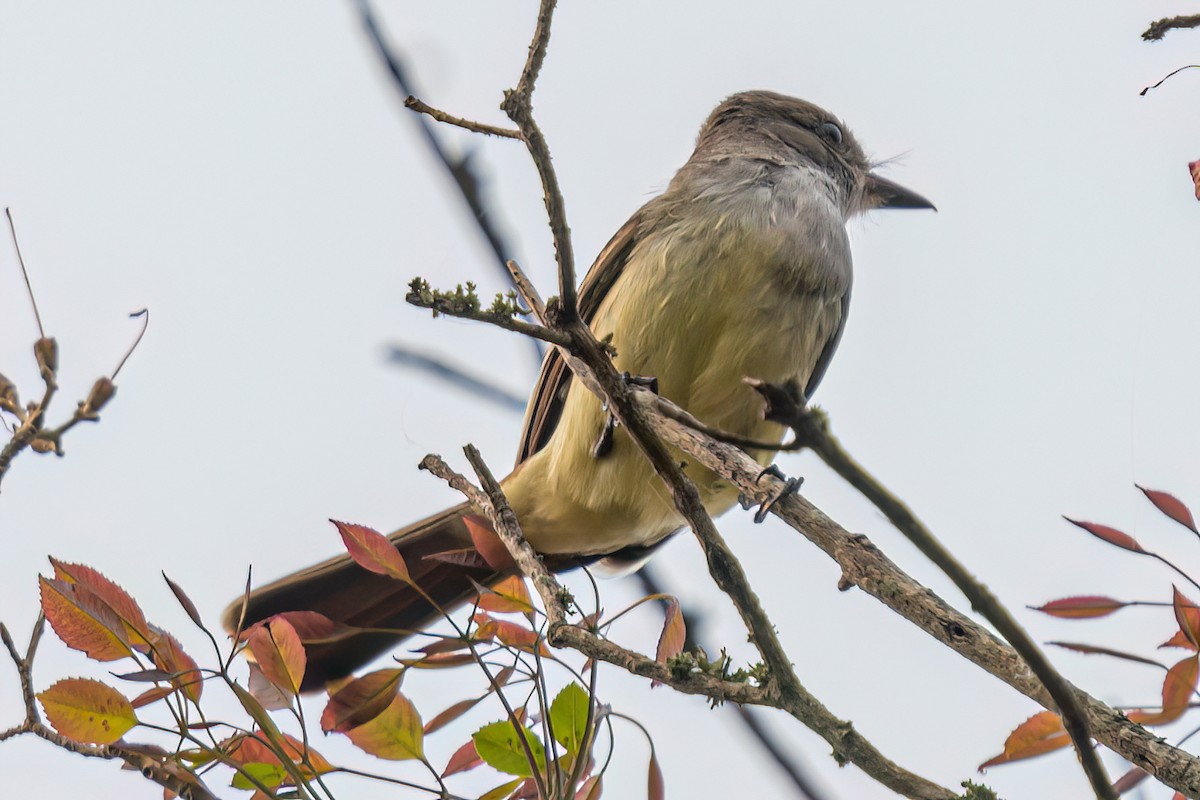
830, 132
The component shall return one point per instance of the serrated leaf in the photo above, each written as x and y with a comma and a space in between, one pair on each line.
82, 622
464, 758
499, 745
371, 550
137, 631
170, 657
569, 717
1108, 534
1172, 507
280, 654
1082, 607
361, 700
1041, 733
488, 544
394, 735
88, 711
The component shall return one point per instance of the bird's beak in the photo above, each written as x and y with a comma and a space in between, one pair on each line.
892, 195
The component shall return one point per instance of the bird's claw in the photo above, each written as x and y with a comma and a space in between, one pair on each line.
790, 486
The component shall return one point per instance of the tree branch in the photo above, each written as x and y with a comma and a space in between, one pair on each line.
1159, 28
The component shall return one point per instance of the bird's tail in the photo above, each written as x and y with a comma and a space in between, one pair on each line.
350, 595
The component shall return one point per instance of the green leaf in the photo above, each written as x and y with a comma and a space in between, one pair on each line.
88, 711
268, 774
395, 735
499, 745
501, 791
568, 717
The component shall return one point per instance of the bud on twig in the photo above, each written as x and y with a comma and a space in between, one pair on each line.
46, 352
102, 391
8, 397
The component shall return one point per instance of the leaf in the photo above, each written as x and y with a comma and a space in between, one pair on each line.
1083, 607
673, 636
1178, 639
591, 789
1129, 780
464, 758
1088, 649
88, 711
371, 550
269, 696
82, 621
151, 696
501, 791
569, 717
499, 745
1110, 535
450, 714
270, 775
1041, 733
277, 648
1172, 507
137, 631
253, 754
488, 544
508, 596
186, 602
1188, 617
394, 735
655, 790
1177, 691
170, 657
361, 700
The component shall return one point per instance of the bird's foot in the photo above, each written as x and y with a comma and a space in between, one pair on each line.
790, 486
604, 442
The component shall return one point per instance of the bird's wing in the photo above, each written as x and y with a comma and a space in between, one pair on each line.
827, 351
550, 391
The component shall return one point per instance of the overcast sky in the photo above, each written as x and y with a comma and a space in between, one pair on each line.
247, 173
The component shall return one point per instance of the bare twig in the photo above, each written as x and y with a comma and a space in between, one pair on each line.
1166, 78
460, 122
159, 769
1158, 29
815, 434
847, 743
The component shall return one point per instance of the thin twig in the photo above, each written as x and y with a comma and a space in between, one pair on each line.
818, 438
460, 122
12, 229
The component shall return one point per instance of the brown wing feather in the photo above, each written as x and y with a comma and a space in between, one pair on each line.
550, 391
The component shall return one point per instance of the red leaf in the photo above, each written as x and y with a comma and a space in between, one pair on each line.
1083, 607
488, 544
371, 550
310, 626
1041, 733
116, 598
654, 780
1129, 780
1194, 171
1178, 640
1110, 535
450, 714
1088, 649
673, 636
591, 789
83, 621
1177, 691
251, 750
1188, 617
1172, 506
169, 656
279, 653
464, 758
361, 700
151, 695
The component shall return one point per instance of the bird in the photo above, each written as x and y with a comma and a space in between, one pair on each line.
740, 269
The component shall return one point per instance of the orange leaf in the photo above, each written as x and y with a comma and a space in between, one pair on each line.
83, 621
249, 749
1194, 171
394, 735
1177, 691
1171, 506
361, 700
674, 633
116, 598
1041, 733
279, 653
655, 788
509, 595
88, 711
1188, 617
1084, 607
1110, 535
488, 544
450, 714
591, 789
371, 550
151, 695
169, 656
1179, 639
464, 758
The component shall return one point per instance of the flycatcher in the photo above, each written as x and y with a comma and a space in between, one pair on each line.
741, 268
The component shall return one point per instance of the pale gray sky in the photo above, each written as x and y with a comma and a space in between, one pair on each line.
246, 172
